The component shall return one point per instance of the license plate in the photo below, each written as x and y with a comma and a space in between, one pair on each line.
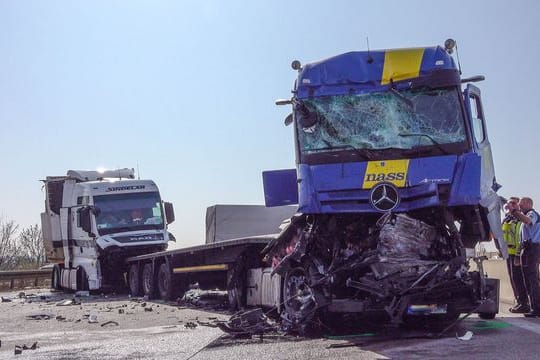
428, 309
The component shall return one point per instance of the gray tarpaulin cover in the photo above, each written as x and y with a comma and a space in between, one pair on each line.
225, 222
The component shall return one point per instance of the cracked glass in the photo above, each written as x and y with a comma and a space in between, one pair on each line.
402, 120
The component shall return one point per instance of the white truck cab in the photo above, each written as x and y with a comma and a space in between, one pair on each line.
94, 220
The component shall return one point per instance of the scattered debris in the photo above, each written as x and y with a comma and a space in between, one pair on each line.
466, 337
68, 302
110, 323
215, 299
19, 349
249, 322
92, 318
148, 309
120, 311
3, 299
21, 295
190, 325
60, 318
39, 317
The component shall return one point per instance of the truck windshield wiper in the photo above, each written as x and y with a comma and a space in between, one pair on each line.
403, 99
439, 146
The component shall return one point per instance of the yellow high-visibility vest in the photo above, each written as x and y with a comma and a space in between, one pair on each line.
511, 233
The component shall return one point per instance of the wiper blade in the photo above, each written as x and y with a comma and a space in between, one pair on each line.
403, 99
438, 145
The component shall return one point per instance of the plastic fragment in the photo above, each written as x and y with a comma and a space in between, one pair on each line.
466, 337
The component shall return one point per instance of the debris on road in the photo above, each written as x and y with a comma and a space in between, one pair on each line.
466, 337
110, 323
68, 302
92, 318
39, 317
19, 349
249, 322
190, 325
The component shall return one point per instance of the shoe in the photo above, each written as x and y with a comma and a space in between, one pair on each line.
532, 314
520, 309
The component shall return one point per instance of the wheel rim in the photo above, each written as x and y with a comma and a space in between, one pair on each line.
134, 281
163, 284
299, 302
147, 280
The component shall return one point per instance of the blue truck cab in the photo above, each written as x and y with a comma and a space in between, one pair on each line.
390, 145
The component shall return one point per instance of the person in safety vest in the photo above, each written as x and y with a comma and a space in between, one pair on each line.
511, 227
530, 254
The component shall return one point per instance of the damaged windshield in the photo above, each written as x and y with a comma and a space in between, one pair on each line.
128, 212
363, 123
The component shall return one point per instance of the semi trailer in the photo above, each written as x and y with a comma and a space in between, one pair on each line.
394, 186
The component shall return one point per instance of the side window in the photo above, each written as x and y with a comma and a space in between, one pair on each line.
477, 119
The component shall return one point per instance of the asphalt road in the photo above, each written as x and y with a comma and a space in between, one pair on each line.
155, 330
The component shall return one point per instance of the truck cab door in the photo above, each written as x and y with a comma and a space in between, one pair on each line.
488, 184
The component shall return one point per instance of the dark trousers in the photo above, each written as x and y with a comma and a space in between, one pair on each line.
530, 259
517, 281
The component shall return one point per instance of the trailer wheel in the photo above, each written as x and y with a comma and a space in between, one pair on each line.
134, 280
165, 283
55, 279
148, 281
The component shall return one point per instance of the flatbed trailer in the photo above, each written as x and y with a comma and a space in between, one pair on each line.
233, 265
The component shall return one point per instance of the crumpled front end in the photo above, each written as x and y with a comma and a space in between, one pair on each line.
396, 266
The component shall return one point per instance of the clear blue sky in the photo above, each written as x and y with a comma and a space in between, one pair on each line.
185, 89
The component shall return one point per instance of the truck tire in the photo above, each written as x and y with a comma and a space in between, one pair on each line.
165, 283
55, 278
134, 280
148, 281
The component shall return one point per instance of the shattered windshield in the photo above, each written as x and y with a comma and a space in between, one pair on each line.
387, 120
128, 212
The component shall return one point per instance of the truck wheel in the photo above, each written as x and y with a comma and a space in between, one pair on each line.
55, 279
148, 281
298, 303
134, 280
165, 283
487, 316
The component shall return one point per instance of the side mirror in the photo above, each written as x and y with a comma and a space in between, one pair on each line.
85, 220
288, 120
169, 212
171, 237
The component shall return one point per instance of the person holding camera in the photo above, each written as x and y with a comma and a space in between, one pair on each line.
511, 227
530, 251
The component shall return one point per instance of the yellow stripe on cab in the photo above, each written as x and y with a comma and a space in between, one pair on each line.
401, 64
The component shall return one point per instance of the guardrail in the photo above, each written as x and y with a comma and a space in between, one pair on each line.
11, 280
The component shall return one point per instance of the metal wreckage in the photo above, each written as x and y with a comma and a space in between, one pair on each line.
395, 185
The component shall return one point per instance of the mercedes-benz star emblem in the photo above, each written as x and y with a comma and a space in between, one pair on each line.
384, 197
